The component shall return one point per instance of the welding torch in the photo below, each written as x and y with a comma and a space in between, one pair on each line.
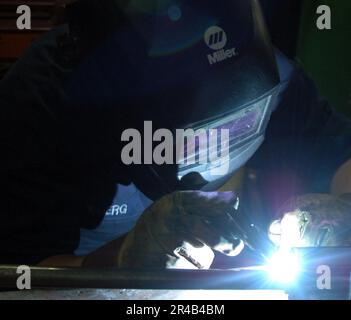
241, 229
248, 232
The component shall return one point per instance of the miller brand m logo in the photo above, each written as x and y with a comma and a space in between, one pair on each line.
215, 38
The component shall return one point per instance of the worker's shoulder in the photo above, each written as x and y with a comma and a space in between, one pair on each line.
38, 78
297, 89
286, 68
49, 38
40, 57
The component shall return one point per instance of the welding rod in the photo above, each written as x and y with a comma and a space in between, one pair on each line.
127, 279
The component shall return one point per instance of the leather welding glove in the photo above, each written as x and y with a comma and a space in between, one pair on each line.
181, 230
313, 220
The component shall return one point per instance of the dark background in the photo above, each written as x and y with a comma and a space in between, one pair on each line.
282, 19
292, 23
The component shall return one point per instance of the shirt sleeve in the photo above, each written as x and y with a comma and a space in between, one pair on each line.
327, 133
305, 143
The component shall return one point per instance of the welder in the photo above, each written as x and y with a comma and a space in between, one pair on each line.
179, 64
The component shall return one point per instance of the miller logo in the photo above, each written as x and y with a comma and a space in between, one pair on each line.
216, 39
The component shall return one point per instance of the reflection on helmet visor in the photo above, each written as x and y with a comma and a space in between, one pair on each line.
240, 127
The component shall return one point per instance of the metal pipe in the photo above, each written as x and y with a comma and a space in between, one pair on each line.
139, 279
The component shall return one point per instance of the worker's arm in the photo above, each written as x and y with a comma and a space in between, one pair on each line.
341, 183
329, 136
103, 257
62, 261
194, 222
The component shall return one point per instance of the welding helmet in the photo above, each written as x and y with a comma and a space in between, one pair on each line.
195, 64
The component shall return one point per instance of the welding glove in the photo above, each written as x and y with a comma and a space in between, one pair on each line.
313, 220
181, 230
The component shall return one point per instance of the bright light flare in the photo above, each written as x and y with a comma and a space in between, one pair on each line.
284, 266
286, 233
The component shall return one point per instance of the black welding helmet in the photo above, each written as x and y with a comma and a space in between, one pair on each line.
202, 65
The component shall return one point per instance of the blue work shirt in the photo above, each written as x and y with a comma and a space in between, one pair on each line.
126, 208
